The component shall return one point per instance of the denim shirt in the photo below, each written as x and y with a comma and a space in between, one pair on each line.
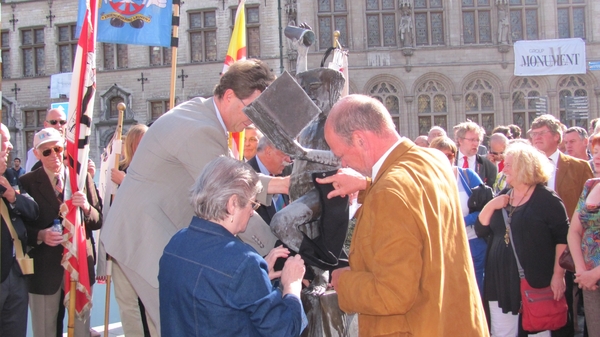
213, 284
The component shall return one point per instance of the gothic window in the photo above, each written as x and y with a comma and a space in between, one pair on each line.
387, 94
160, 56
429, 22
524, 19
479, 104
203, 36
571, 18
5, 54
432, 106
477, 23
571, 87
115, 54
33, 122
158, 108
332, 16
252, 30
67, 47
32, 47
381, 23
525, 102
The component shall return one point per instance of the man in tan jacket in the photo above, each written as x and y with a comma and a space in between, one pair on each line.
410, 270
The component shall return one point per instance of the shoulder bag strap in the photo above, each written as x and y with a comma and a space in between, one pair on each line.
11, 229
512, 242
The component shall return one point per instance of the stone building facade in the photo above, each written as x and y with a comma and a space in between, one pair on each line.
432, 62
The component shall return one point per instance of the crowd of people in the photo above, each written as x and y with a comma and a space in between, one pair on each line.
193, 254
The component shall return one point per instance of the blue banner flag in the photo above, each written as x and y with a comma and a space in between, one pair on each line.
144, 22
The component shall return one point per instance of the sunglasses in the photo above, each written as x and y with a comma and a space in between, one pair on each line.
57, 150
54, 122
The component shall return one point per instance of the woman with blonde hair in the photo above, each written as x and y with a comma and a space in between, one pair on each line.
538, 224
132, 140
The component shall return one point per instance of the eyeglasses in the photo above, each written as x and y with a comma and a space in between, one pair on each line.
538, 133
54, 122
57, 150
245, 105
496, 153
255, 205
472, 140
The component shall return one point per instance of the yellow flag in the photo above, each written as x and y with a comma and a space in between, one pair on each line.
237, 44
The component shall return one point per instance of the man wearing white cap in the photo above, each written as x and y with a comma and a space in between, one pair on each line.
46, 185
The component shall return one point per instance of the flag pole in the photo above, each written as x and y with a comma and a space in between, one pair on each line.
118, 135
174, 43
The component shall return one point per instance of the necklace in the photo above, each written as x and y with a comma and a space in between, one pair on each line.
513, 208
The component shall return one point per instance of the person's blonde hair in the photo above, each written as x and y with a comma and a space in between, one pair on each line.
444, 143
529, 165
461, 130
132, 140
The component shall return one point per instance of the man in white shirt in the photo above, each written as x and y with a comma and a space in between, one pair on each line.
468, 136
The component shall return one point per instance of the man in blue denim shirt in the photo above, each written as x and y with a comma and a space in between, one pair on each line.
212, 283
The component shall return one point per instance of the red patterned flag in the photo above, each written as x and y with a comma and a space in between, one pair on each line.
81, 103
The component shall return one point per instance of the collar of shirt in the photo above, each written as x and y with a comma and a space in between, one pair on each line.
554, 157
262, 167
470, 159
378, 163
51, 175
219, 117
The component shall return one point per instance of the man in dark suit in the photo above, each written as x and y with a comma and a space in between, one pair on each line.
46, 185
13, 289
270, 161
567, 180
468, 136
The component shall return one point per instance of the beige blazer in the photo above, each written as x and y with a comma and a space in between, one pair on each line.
152, 203
411, 271
571, 175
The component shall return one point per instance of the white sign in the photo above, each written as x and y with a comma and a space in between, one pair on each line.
550, 57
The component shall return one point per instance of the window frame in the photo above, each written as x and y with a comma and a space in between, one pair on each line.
332, 14
429, 11
34, 46
5, 53
476, 9
72, 42
203, 30
380, 13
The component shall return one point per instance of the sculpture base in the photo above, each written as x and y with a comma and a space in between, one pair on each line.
325, 319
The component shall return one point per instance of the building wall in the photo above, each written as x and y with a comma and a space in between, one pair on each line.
397, 75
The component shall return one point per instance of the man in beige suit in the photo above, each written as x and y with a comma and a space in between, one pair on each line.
567, 180
152, 203
410, 270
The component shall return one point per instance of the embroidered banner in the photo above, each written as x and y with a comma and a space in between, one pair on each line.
142, 22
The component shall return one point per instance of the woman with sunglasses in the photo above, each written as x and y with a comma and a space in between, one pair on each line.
213, 284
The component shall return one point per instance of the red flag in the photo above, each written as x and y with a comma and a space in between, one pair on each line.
81, 102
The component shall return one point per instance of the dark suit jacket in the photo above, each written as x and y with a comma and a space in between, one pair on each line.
571, 175
266, 212
48, 274
486, 170
24, 208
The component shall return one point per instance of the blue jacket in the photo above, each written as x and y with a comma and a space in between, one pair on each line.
469, 181
213, 284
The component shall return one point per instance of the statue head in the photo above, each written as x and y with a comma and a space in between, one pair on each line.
323, 86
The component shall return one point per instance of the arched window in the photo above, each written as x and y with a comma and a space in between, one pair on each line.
526, 102
573, 99
479, 104
387, 94
432, 106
